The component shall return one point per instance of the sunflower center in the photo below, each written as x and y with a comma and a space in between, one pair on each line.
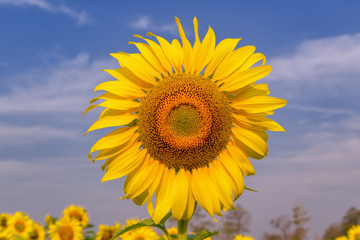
107, 235
20, 226
184, 121
66, 233
76, 215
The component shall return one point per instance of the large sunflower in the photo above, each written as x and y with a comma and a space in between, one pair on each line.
188, 118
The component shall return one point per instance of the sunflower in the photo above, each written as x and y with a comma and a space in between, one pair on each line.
142, 233
354, 233
4, 221
66, 229
240, 237
77, 212
107, 232
38, 232
6, 235
341, 238
20, 224
188, 118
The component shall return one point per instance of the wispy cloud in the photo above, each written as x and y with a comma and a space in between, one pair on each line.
313, 59
65, 87
145, 23
81, 17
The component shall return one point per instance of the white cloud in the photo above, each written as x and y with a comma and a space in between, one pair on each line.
66, 87
18, 136
81, 17
145, 23
320, 60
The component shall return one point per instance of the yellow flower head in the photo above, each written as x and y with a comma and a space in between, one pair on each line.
354, 233
240, 237
4, 221
6, 235
188, 118
38, 232
142, 233
66, 229
341, 238
107, 232
20, 224
77, 212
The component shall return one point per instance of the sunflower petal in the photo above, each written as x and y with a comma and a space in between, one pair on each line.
259, 104
233, 62
123, 89
221, 51
205, 52
112, 121
180, 194
244, 78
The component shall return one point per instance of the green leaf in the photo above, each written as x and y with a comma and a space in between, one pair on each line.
149, 222
191, 236
250, 189
205, 234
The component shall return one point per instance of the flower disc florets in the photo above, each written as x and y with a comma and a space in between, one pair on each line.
184, 121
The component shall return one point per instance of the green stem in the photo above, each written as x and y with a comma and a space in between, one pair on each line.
182, 230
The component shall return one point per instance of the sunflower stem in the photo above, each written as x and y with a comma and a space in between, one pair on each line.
182, 229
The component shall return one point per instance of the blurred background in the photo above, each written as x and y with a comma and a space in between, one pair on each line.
51, 56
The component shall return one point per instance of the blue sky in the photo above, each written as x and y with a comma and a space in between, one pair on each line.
51, 56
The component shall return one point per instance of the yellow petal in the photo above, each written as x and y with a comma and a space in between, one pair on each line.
225, 192
180, 195
196, 33
190, 206
254, 58
121, 104
233, 62
125, 163
140, 180
234, 172
142, 198
251, 141
150, 56
244, 78
138, 66
260, 123
187, 49
112, 121
125, 75
250, 91
240, 159
221, 51
91, 107
178, 55
205, 52
163, 197
159, 53
199, 187
123, 89
168, 51
259, 104
114, 139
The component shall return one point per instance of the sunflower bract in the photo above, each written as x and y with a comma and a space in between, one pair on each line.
188, 119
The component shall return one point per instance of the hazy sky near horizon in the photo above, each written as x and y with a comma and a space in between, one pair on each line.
51, 56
